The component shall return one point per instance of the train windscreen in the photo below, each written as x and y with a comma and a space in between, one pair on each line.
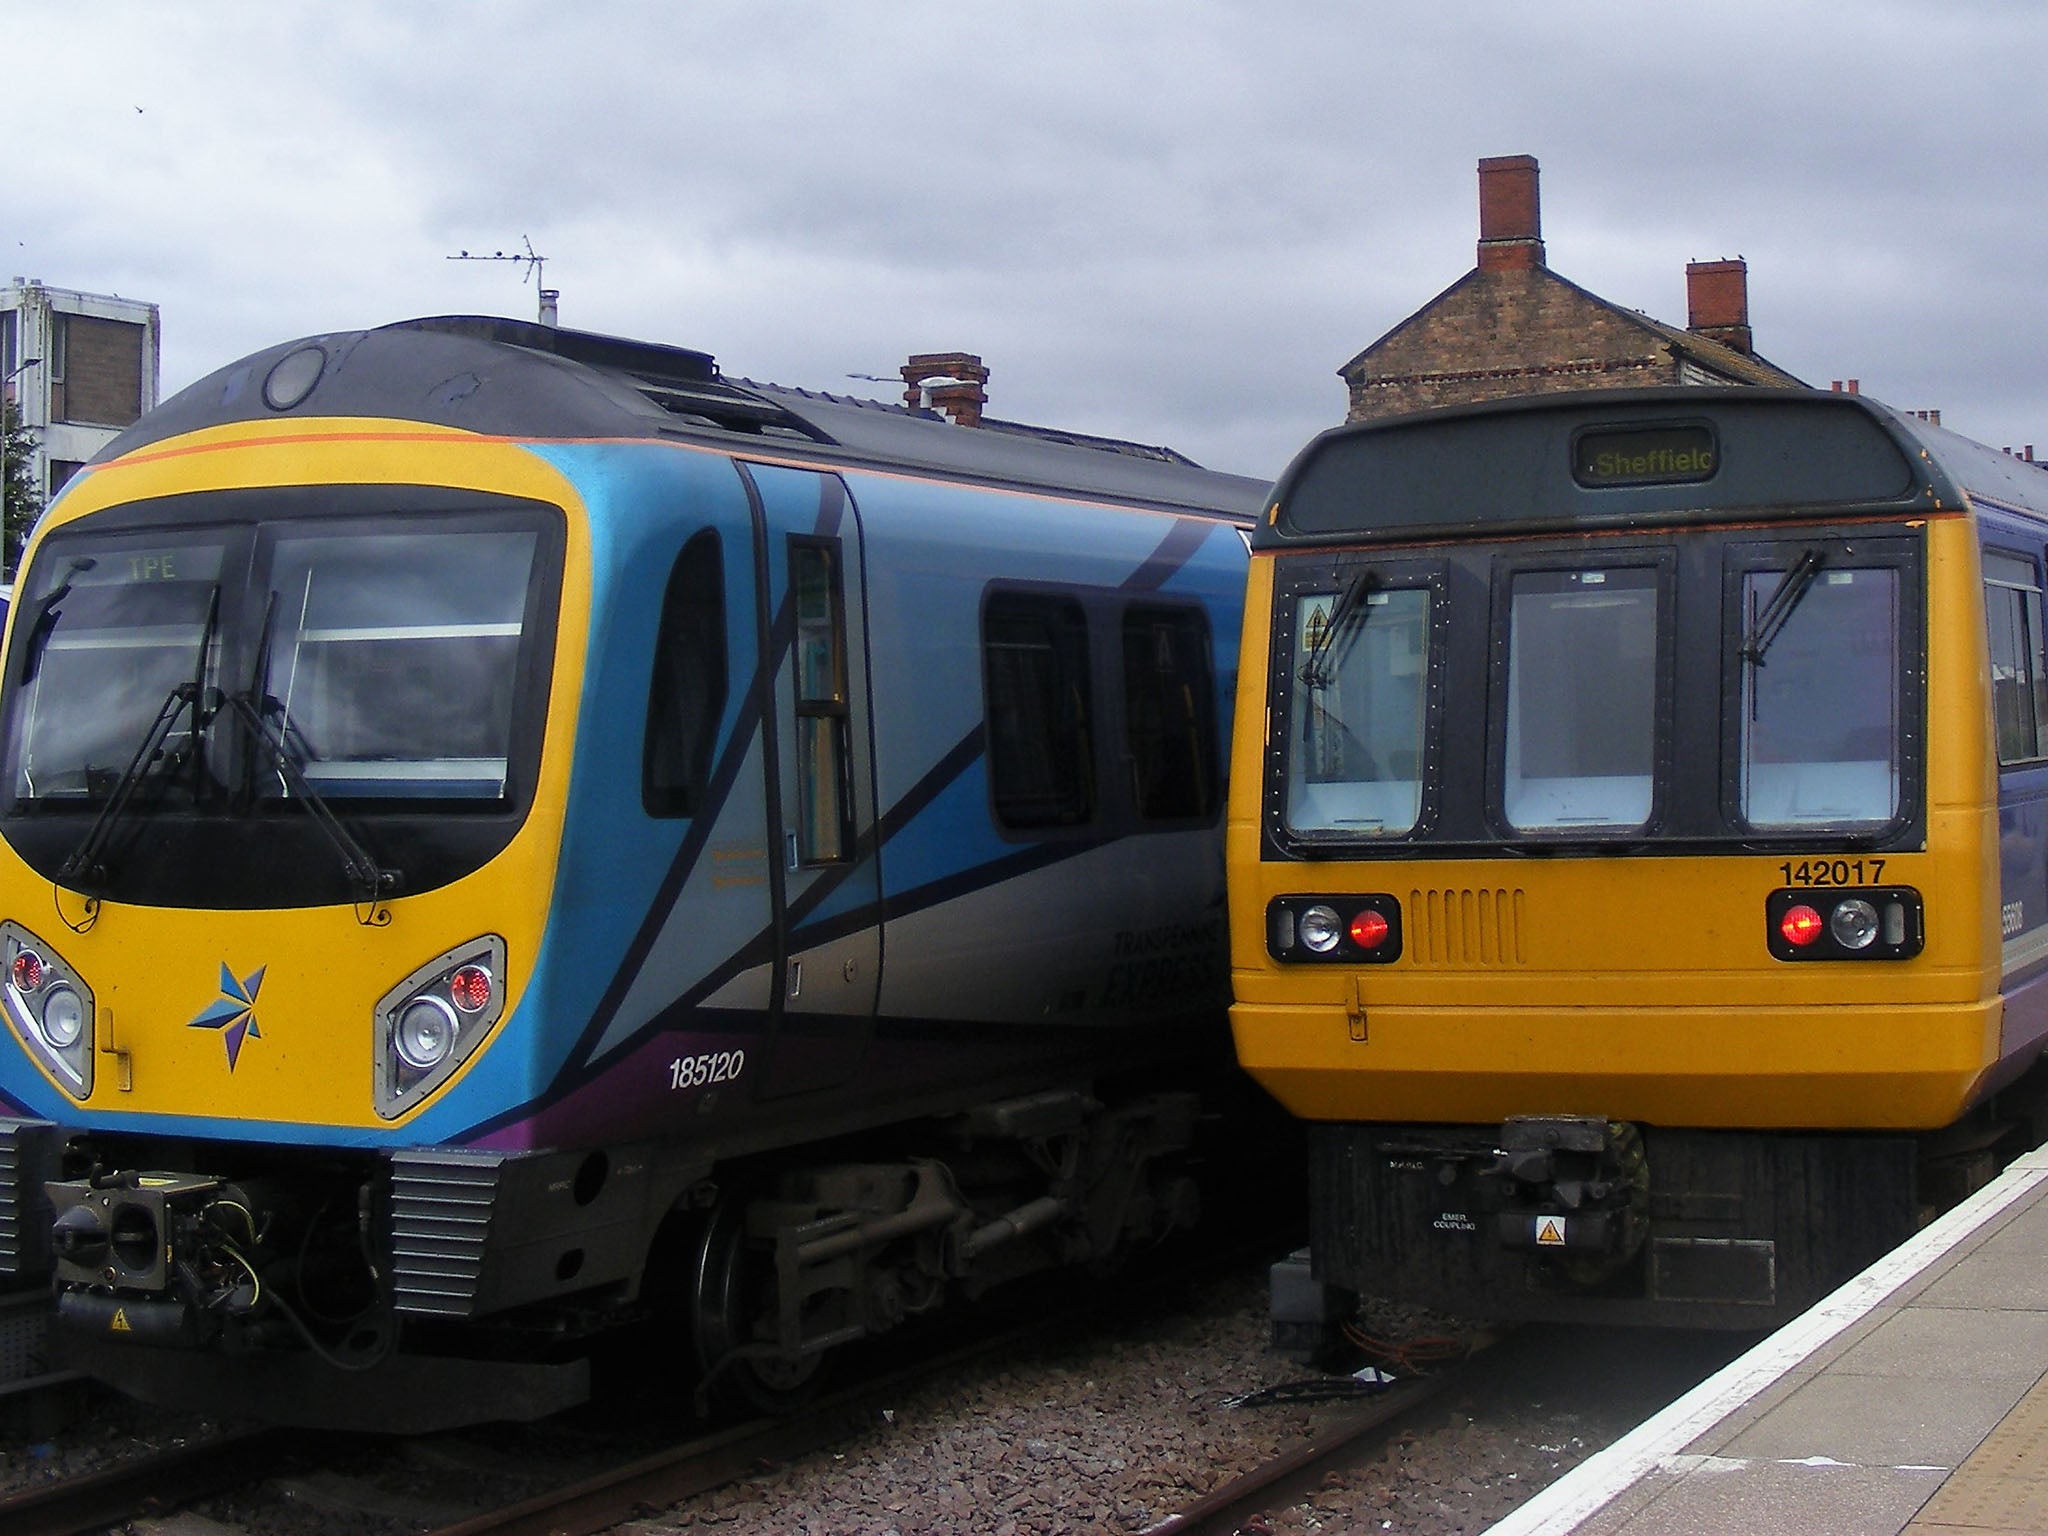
393, 658
383, 658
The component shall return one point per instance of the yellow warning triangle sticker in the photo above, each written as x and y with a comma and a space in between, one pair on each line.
1550, 1232
120, 1322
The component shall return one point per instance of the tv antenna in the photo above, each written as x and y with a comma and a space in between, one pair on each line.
535, 265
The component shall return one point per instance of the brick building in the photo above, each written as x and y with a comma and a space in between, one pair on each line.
1511, 326
79, 367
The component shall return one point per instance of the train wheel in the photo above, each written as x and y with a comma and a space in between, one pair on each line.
733, 1287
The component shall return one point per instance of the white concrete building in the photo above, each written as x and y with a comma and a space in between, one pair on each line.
79, 367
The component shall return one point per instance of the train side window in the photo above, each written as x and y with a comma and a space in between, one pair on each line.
823, 751
1580, 753
1170, 713
687, 697
1041, 752
2019, 663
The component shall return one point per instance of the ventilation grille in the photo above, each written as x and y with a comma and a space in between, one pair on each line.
28, 1150
441, 1206
1464, 929
13, 1216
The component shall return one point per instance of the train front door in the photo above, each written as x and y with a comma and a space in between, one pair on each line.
821, 789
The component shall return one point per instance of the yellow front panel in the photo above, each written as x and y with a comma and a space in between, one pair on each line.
153, 971
1633, 986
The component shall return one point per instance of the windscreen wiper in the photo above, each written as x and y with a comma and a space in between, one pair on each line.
82, 864
83, 860
47, 615
1785, 598
253, 709
1349, 612
366, 879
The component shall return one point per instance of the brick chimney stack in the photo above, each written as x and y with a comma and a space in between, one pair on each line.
1717, 302
953, 382
1510, 216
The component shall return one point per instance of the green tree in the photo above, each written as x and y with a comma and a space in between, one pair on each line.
17, 473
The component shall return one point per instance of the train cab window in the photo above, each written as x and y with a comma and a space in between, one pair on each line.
2019, 665
1820, 705
1361, 686
687, 696
1580, 746
395, 657
106, 637
818, 659
1041, 752
1170, 713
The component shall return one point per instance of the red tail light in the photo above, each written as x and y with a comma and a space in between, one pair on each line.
1801, 925
1369, 929
27, 971
469, 988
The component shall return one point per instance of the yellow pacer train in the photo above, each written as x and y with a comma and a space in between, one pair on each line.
1638, 846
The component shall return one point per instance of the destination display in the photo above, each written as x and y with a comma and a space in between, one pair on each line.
1661, 455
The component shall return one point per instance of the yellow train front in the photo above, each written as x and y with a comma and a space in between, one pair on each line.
1639, 869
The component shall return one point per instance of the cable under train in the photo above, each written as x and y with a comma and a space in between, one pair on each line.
508, 833
1639, 847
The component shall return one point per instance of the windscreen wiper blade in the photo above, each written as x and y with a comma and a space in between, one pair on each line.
366, 878
1349, 612
82, 865
1785, 598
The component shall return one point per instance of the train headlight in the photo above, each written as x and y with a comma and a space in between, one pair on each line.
426, 1033
434, 1020
1854, 924
1319, 929
63, 1017
49, 1007
1334, 930
1829, 923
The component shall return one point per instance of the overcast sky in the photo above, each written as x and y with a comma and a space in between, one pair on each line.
1170, 220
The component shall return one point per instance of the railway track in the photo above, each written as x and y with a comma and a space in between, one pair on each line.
1239, 1503
1390, 1462
240, 1465
146, 1485
164, 1481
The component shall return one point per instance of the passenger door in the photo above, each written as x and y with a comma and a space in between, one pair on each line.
827, 885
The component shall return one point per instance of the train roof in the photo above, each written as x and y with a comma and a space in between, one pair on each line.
521, 379
1632, 458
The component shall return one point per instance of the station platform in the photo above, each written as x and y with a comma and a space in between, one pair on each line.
1914, 1399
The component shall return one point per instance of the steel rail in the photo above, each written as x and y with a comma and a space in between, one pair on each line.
1225, 1510
146, 1485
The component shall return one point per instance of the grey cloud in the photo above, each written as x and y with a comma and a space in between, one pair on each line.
1166, 220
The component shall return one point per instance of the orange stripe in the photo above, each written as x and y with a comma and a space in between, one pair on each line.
823, 466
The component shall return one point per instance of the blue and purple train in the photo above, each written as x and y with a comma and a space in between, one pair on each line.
506, 832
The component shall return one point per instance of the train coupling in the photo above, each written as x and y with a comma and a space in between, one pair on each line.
1570, 1185
119, 1232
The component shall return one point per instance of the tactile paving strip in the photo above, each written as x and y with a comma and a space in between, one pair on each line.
2003, 1484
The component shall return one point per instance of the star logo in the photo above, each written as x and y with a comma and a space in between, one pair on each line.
234, 1012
